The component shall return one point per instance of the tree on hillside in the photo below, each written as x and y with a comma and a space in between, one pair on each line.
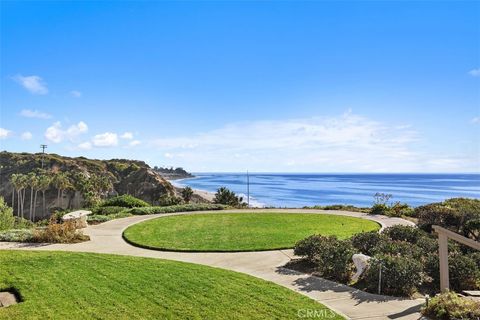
228, 197
21, 183
14, 182
61, 183
44, 182
187, 194
32, 182
7, 220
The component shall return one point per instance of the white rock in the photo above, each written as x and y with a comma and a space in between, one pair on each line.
361, 263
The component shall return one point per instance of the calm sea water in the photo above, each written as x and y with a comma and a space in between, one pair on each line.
297, 190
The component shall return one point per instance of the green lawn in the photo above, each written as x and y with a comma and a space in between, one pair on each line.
61, 285
240, 231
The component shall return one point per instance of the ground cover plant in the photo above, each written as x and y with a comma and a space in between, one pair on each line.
65, 285
451, 306
240, 231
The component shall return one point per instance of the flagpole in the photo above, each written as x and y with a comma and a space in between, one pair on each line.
248, 190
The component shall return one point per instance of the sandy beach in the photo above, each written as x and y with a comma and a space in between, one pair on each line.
204, 194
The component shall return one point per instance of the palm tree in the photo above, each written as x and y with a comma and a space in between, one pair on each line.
22, 186
61, 183
14, 180
187, 194
32, 182
43, 185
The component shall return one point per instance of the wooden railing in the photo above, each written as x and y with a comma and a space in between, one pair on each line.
443, 236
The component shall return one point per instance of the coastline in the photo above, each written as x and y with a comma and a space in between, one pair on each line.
207, 195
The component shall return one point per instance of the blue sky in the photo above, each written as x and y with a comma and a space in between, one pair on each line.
230, 86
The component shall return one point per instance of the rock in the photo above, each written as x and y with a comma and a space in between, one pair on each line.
79, 217
361, 263
7, 299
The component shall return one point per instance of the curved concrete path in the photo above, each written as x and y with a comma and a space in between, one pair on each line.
350, 302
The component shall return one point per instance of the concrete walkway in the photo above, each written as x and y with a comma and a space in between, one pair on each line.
350, 302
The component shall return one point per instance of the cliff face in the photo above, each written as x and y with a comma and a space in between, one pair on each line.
120, 176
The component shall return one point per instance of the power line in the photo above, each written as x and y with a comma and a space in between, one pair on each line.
43, 146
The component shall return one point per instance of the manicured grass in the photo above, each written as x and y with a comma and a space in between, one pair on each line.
61, 285
240, 231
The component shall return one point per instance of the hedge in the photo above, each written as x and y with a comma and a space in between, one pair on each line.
177, 208
126, 201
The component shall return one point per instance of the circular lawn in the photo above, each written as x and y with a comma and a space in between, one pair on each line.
223, 232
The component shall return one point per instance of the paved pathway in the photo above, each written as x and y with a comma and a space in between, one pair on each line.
352, 303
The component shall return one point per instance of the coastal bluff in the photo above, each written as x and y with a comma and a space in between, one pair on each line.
75, 182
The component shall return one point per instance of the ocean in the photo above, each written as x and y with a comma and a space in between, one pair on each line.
298, 190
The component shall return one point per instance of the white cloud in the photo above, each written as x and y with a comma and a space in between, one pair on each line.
134, 143
475, 120
344, 143
127, 135
474, 72
27, 135
75, 94
57, 134
107, 139
85, 145
34, 84
4, 133
34, 114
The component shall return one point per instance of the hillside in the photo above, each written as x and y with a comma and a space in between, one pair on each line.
173, 174
75, 182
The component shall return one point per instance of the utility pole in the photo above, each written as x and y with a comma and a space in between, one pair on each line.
43, 146
248, 190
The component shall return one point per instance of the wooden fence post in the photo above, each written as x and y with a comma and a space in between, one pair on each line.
443, 255
443, 236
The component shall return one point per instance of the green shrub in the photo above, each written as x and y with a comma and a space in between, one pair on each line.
308, 247
341, 207
125, 201
400, 210
398, 248
472, 229
167, 200
451, 306
98, 218
332, 257
428, 244
107, 210
380, 209
464, 273
366, 242
17, 235
177, 208
404, 233
476, 257
457, 214
228, 197
187, 194
401, 275
7, 220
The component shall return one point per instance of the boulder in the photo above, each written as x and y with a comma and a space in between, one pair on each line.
361, 263
79, 217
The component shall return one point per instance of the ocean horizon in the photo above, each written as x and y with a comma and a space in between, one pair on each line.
309, 189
